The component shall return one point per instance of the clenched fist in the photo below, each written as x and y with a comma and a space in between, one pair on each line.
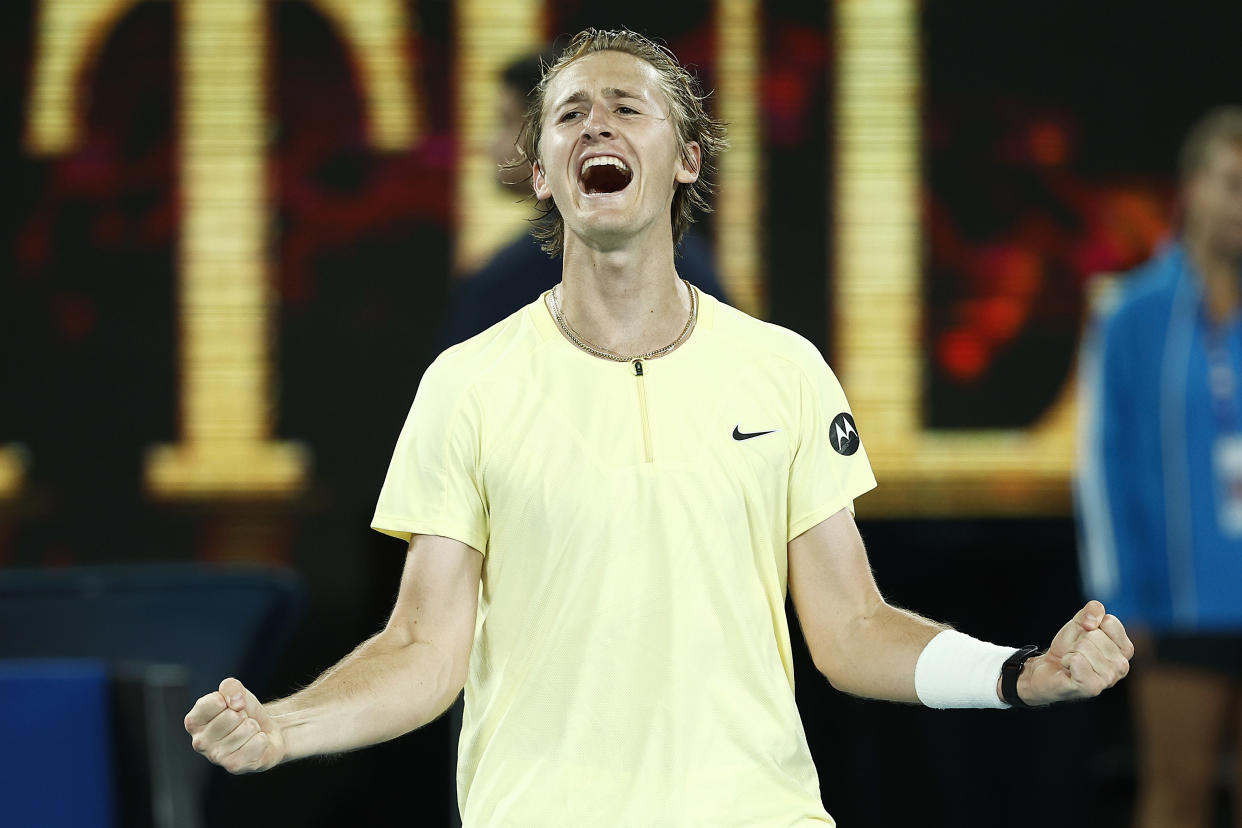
1091, 653
231, 728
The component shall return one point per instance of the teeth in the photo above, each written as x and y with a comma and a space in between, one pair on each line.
603, 159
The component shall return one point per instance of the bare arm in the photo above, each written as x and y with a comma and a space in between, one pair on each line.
865, 647
861, 644
398, 680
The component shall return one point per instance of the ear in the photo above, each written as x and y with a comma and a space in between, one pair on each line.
689, 164
539, 182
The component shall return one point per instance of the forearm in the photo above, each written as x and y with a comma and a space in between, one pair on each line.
383, 689
876, 654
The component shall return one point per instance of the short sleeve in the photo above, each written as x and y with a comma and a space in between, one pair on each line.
830, 466
434, 484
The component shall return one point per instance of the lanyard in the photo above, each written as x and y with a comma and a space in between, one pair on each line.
1222, 378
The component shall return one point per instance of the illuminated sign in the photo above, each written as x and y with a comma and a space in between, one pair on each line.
879, 314
739, 205
226, 302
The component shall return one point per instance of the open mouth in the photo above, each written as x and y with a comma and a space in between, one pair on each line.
604, 174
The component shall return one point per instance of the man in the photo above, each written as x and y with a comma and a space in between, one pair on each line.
1160, 485
522, 269
606, 498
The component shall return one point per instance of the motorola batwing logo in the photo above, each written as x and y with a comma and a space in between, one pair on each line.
843, 435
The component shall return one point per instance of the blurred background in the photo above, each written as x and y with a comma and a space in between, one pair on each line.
234, 233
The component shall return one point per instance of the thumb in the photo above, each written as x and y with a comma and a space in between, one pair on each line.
1086, 619
1090, 616
242, 700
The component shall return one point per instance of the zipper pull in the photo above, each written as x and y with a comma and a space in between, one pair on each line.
638, 367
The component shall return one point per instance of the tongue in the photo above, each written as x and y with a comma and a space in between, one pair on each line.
605, 178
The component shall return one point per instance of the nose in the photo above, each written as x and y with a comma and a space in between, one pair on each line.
598, 122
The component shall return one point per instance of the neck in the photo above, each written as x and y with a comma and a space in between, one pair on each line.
627, 300
1219, 275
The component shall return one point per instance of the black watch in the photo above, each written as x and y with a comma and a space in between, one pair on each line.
1009, 675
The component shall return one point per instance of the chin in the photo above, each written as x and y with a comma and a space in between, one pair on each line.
1232, 245
606, 221
609, 224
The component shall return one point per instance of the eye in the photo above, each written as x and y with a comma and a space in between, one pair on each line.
627, 110
568, 114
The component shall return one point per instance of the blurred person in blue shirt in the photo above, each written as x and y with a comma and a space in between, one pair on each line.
521, 270
1159, 485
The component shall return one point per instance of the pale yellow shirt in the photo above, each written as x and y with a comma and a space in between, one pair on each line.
631, 662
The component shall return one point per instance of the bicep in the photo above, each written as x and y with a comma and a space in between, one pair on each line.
439, 594
831, 583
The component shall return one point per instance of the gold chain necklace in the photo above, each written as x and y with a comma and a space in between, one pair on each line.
607, 354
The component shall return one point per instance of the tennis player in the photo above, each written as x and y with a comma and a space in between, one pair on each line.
606, 497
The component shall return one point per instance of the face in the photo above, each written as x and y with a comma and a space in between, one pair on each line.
1214, 199
510, 107
609, 155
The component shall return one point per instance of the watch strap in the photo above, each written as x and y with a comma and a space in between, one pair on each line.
1010, 671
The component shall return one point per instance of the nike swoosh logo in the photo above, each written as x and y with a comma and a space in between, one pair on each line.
741, 435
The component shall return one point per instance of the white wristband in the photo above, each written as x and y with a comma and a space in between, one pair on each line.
955, 670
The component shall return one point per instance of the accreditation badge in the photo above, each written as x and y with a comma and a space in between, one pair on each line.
1227, 464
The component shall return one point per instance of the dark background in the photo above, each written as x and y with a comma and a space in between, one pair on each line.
1050, 135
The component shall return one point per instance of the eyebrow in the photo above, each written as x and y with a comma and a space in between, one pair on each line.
582, 95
